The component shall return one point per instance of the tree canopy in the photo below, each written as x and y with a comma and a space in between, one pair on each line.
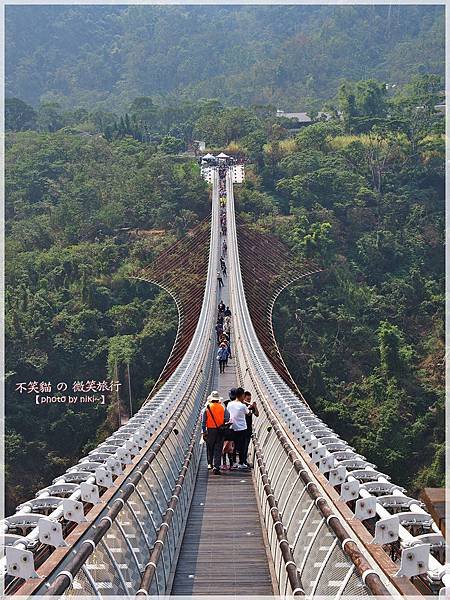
92, 194
364, 340
290, 56
83, 214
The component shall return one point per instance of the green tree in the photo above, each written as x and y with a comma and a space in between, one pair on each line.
371, 98
171, 145
414, 107
49, 117
394, 354
312, 240
19, 116
347, 105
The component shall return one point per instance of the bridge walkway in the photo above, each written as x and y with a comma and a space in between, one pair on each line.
223, 550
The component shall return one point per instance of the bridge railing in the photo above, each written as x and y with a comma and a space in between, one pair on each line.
120, 556
380, 511
318, 535
130, 478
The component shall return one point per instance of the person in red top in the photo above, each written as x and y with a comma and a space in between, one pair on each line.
214, 416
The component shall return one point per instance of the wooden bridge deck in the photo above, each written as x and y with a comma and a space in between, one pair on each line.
223, 550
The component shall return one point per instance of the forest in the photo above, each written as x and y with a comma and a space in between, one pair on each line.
94, 195
83, 215
363, 195
292, 57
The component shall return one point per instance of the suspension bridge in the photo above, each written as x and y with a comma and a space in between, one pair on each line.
140, 514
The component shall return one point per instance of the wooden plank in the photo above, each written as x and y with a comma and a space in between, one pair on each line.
223, 549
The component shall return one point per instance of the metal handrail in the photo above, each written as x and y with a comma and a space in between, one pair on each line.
286, 403
62, 581
286, 551
153, 417
151, 566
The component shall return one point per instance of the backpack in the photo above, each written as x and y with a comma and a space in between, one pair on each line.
222, 354
224, 426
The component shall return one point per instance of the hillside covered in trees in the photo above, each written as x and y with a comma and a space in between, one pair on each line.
292, 57
103, 101
83, 215
364, 196
90, 200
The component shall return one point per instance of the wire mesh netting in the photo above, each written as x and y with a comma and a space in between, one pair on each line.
316, 556
110, 579
334, 573
355, 587
80, 586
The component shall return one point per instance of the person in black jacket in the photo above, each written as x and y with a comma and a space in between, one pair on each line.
253, 410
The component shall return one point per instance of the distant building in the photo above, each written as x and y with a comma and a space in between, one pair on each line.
197, 147
439, 108
223, 158
300, 117
326, 116
200, 145
209, 160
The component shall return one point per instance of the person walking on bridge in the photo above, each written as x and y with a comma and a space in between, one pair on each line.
224, 338
219, 330
253, 410
224, 248
222, 356
219, 279
214, 417
238, 410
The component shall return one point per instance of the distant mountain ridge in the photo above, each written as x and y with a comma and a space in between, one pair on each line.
282, 55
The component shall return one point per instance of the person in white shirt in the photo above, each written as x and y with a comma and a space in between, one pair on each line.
238, 410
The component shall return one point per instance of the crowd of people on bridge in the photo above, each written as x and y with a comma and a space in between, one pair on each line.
223, 201
223, 213
222, 272
223, 324
227, 427
223, 333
